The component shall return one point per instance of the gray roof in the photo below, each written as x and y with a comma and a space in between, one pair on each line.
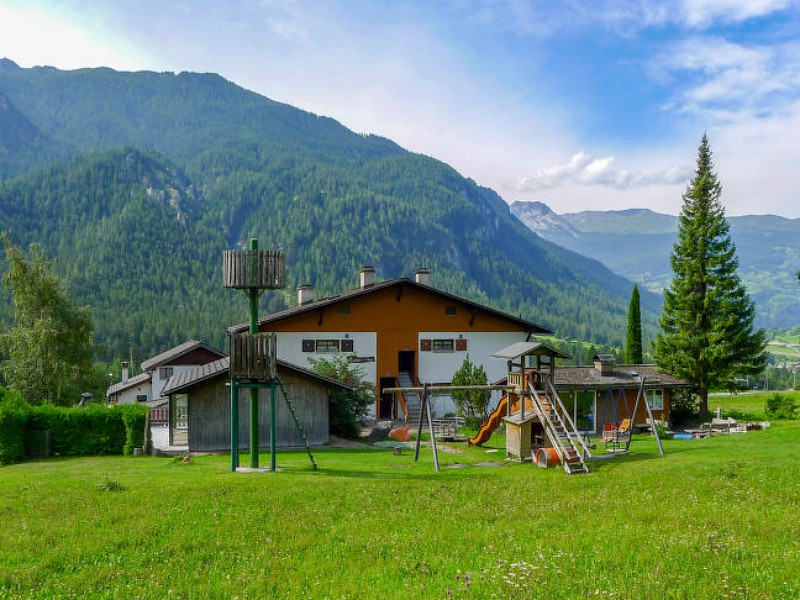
623, 376
189, 378
128, 383
402, 281
519, 349
176, 352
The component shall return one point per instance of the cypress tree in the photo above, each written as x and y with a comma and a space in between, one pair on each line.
633, 340
707, 334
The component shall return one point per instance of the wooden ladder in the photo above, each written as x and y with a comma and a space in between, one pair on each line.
560, 429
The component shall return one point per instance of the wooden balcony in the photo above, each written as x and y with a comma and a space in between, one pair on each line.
253, 269
253, 356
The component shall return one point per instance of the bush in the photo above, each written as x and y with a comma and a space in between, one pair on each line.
781, 407
684, 408
81, 431
134, 416
14, 414
345, 407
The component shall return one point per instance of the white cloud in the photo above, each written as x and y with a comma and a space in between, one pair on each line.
585, 170
34, 36
702, 13
724, 82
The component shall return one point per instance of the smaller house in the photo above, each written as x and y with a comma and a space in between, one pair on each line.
200, 408
148, 385
605, 393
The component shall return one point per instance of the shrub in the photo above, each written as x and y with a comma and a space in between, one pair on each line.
14, 415
85, 431
134, 416
346, 407
781, 407
684, 408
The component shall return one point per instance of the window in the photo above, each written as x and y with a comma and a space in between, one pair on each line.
308, 345
181, 411
347, 345
165, 372
655, 398
443, 346
327, 346
584, 409
450, 311
141, 397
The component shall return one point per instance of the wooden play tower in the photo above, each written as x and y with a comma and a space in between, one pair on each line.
535, 417
253, 355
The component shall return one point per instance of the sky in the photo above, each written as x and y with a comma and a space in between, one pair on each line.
581, 104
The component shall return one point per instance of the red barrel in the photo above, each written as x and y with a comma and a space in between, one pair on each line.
547, 457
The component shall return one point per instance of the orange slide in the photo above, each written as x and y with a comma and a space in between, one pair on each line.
485, 432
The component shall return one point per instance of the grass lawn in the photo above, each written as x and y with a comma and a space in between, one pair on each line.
747, 406
715, 518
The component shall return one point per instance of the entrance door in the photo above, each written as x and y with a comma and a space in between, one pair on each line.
405, 363
387, 402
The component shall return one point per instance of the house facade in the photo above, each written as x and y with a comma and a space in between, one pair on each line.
156, 371
202, 394
605, 393
401, 332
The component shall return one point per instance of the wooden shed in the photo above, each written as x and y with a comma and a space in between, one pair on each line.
205, 396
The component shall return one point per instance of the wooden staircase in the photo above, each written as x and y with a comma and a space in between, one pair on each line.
560, 429
412, 399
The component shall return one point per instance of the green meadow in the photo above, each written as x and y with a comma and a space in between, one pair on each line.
714, 518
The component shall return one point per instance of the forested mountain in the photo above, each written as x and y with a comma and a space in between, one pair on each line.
165, 171
637, 243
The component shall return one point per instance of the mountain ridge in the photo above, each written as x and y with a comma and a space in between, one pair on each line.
636, 243
166, 170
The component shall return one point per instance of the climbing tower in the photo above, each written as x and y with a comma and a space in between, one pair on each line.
253, 363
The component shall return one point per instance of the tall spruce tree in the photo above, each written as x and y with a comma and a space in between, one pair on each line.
633, 339
707, 334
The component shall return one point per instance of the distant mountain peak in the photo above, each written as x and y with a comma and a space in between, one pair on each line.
541, 219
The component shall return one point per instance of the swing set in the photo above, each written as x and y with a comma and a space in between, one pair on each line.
618, 433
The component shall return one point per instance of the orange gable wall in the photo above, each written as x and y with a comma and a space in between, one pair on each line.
397, 313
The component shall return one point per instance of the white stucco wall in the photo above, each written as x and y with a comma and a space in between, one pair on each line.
365, 345
158, 383
439, 367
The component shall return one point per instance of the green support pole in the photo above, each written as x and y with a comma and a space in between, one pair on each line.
272, 425
234, 425
253, 295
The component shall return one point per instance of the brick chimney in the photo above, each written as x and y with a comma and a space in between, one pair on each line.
605, 363
305, 293
366, 277
423, 276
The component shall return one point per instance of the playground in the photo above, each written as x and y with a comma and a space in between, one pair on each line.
714, 517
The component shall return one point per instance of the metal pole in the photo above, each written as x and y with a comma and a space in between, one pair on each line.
253, 296
234, 425
272, 441
427, 407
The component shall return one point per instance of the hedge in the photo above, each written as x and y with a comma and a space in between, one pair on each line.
13, 417
134, 416
92, 430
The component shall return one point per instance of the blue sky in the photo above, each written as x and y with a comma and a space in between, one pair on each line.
582, 104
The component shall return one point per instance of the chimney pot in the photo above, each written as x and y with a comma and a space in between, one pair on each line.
422, 275
367, 277
305, 293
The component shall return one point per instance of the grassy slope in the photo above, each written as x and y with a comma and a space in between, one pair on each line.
715, 518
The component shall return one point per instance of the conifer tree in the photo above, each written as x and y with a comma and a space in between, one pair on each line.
707, 334
633, 340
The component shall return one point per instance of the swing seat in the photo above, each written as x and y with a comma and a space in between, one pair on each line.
616, 437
